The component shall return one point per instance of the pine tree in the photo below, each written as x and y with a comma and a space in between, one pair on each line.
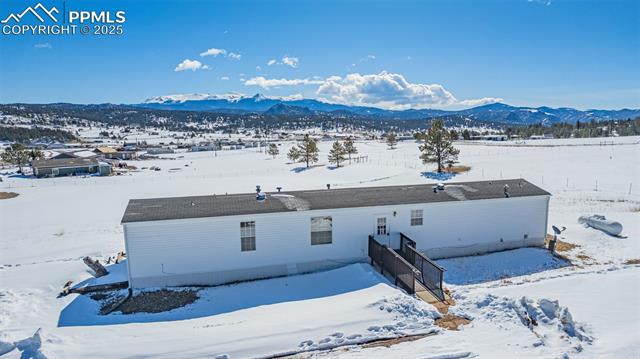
35, 154
466, 135
437, 147
337, 154
453, 134
273, 150
350, 147
17, 155
307, 151
294, 154
392, 140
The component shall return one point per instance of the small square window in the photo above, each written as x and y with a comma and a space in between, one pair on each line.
321, 230
416, 217
248, 236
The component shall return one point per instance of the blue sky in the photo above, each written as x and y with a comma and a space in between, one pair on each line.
392, 54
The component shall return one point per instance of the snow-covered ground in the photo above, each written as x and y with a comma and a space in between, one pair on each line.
53, 223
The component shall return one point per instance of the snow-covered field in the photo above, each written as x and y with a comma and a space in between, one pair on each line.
53, 223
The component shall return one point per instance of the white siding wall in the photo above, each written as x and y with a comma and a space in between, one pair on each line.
207, 250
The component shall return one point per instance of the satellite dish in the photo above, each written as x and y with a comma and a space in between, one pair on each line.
557, 230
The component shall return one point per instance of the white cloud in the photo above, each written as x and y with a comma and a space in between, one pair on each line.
214, 52
480, 101
368, 58
258, 68
45, 45
286, 60
290, 61
225, 78
192, 65
389, 90
541, 2
293, 97
265, 83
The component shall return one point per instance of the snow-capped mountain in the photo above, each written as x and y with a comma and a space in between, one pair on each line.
496, 112
180, 98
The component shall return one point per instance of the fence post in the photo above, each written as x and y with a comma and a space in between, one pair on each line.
395, 269
630, 185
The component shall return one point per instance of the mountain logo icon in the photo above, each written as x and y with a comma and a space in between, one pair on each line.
35, 12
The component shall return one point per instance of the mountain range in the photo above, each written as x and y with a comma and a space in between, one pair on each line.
496, 112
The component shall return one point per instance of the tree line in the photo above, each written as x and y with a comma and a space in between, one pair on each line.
630, 127
26, 135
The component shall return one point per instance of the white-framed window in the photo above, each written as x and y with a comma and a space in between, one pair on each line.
416, 217
381, 225
248, 236
321, 230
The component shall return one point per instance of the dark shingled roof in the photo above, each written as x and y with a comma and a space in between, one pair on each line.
157, 209
64, 162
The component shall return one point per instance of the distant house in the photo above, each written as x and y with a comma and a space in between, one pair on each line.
159, 150
493, 137
66, 167
105, 150
113, 154
204, 147
219, 239
64, 155
541, 137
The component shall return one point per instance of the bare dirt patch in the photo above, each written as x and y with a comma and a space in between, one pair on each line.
457, 169
451, 322
632, 261
8, 195
389, 342
561, 246
158, 301
584, 258
443, 307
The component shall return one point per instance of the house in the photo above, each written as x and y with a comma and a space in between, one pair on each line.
204, 147
65, 167
216, 239
546, 136
62, 155
113, 154
159, 150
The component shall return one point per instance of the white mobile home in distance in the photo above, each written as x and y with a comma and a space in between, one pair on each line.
208, 240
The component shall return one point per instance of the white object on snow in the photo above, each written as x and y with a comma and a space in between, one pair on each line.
602, 223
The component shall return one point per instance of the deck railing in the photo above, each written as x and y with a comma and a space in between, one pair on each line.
394, 264
430, 273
